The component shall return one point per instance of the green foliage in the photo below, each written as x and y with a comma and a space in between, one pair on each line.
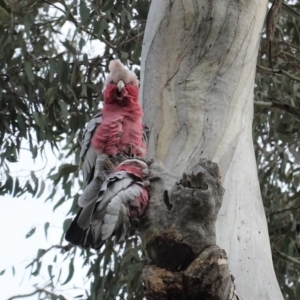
50, 87
277, 140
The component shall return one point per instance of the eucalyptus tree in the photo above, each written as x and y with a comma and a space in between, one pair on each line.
50, 88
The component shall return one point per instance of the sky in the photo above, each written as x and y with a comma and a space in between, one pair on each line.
17, 217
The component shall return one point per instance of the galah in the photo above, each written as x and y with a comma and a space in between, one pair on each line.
123, 196
117, 129
121, 128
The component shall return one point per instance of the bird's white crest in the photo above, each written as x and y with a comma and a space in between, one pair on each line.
119, 72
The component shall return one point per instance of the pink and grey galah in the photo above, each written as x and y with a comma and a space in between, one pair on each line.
121, 129
109, 201
118, 128
123, 196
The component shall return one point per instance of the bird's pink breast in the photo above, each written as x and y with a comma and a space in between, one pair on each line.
121, 128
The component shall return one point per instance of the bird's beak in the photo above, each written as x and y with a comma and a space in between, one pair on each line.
120, 85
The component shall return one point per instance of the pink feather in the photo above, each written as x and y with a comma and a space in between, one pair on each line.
140, 204
121, 128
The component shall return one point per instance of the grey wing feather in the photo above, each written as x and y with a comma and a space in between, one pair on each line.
85, 216
120, 231
88, 165
116, 176
89, 203
87, 154
92, 191
93, 196
110, 219
110, 215
96, 225
116, 214
88, 133
115, 183
116, 218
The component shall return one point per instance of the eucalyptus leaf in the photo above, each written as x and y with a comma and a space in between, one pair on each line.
28, 71
30, 233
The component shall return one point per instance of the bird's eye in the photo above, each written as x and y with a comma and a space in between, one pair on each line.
111, 82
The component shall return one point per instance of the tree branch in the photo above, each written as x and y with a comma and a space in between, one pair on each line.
286, 257
39, 290
283, 210
290, 11
276, 71
283, 106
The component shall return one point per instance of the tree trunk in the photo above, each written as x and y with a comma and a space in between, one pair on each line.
199, 61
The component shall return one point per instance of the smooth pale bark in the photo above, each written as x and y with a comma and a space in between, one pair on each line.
198, 61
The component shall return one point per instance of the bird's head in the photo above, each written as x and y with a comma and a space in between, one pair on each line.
134, 166
121, 85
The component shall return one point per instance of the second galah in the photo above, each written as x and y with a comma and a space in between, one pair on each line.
123, 196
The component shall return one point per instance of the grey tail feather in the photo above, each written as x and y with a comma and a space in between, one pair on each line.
78, 236
90, 193
84, 218
96, 227
88, 165
98, 245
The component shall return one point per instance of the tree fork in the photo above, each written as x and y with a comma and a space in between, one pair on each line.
178, 232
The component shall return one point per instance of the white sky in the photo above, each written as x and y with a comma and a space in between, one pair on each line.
17, 217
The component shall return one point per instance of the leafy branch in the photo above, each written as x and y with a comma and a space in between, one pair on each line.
276, 71
39, 291
72, 19
283, 106
286, 257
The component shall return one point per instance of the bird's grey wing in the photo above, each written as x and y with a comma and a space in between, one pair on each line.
115, 183
92, 163
87, 154
116, 218
92, 191
111, 215
96, 195
84, 219
113, 186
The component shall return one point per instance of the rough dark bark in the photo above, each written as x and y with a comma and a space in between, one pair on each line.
178, 232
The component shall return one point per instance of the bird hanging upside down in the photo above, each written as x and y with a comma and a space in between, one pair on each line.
123, 196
